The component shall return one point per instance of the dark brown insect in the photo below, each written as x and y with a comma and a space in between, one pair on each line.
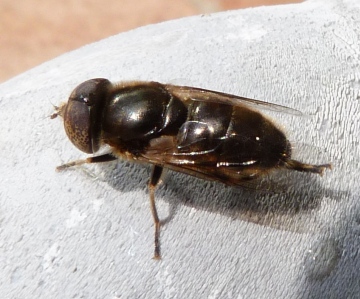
204, 133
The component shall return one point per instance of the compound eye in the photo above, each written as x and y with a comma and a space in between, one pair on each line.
77, 124
83, 113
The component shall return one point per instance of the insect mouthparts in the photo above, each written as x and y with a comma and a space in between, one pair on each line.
59, 111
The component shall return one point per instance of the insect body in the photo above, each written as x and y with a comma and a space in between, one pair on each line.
208, 134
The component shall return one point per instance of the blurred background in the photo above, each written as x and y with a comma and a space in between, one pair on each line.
34, 31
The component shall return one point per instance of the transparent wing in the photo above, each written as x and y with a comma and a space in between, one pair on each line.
199, 94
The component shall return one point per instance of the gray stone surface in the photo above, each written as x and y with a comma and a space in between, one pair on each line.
87, 232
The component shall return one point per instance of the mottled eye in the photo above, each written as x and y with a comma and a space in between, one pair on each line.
77, 125
81, 116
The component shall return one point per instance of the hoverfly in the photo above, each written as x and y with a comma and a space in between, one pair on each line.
203, 133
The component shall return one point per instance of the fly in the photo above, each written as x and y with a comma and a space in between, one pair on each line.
203, 133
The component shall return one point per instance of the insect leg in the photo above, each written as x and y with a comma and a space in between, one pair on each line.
298, 166
154, 181
96, 159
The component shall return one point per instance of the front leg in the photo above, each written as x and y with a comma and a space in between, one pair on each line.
96, 159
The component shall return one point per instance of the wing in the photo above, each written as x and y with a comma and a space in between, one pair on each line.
163, 151
199, 94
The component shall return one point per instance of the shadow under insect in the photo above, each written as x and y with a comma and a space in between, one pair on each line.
283, 199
